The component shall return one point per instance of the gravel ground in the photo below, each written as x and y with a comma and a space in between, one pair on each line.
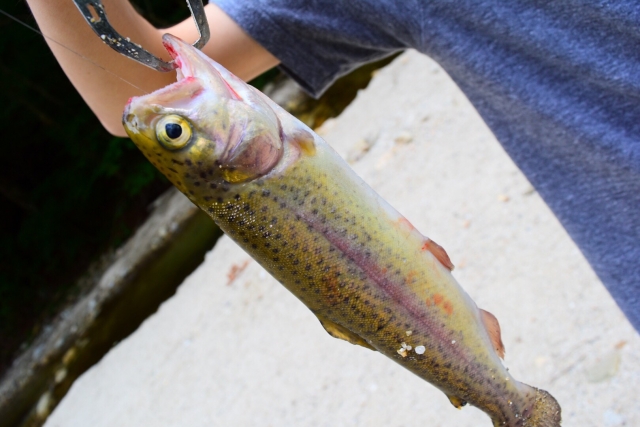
233, 347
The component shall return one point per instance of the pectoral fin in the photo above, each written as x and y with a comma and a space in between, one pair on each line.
343, 333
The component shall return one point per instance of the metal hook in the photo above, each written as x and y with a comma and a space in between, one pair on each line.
100, 24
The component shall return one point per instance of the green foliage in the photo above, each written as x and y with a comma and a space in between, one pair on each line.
69, 191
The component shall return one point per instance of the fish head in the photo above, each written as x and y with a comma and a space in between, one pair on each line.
207, 128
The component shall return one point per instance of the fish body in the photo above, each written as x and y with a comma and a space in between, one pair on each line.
280, 192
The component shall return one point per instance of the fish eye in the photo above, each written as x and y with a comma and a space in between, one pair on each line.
173, 132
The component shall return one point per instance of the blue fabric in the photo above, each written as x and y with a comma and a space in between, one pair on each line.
558, 82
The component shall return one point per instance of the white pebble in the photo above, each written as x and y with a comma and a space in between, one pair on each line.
409, 333
420, 349
453, 342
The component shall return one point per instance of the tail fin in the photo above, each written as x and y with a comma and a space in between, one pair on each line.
546, 411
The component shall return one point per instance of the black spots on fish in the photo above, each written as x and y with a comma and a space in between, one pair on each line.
196, 183
264, 209
177, 162
213, 185
266, 193
207, 198
254, 246
237, 197
283, 187
225, 186
219, 200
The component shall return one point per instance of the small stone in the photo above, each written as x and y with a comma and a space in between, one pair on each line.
409, 333
604, 368
60, 375
420, 349
69, 356
43, 407
403, 138
402, 352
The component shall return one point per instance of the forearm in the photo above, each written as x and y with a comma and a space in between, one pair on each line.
107, 79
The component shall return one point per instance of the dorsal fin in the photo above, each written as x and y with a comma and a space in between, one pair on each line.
493, 328
438, 252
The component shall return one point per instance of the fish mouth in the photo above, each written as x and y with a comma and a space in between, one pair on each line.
175, 48
192, 63
195, 74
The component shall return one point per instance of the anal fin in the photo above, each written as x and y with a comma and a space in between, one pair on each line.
340, 332
493, 328
456, 401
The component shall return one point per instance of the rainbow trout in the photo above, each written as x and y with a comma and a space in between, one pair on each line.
280, 192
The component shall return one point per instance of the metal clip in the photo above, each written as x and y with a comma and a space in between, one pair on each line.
100, 24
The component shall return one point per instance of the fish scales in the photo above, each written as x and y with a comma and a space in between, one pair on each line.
369, 291
289, 200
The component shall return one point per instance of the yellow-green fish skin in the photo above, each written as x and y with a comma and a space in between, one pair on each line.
305, 216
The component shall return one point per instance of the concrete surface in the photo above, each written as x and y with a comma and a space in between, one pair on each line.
233, 347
